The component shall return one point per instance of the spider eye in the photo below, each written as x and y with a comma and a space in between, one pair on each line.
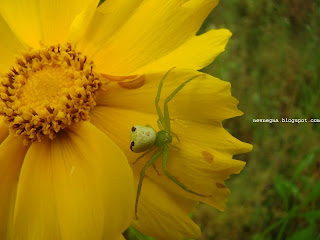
131, 145
133, 129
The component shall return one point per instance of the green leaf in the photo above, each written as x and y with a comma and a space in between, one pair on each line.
270, 228
312, 215
305, 162
306, 233
280, 184
134, 234
314, 194
282, 229
260, 236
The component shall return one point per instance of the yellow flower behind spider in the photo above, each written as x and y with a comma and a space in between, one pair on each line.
65, 121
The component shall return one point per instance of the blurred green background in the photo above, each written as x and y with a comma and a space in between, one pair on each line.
273, 63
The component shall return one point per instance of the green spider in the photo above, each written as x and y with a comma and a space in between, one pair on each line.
146, 139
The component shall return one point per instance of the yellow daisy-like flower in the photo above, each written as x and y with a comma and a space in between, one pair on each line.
74, 79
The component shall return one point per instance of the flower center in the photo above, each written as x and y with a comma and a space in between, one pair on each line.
47, 90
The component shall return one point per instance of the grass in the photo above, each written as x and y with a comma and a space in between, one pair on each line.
272, 62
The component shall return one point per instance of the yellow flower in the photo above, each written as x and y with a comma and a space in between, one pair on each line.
75, 78
202, 161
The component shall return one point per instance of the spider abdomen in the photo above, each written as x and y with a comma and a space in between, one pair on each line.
142, 138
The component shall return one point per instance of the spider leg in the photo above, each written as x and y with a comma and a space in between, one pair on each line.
142, 155
155, 168
169, 98
160, 124
142, 173
172, 178
160, 115
171, 145
175, 135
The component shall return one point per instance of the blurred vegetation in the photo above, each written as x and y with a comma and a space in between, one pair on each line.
273, 63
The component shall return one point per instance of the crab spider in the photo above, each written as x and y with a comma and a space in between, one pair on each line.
146, 139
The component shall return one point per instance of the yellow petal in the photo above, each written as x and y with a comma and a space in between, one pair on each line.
121, 238
78, 186
117, 124
9, 46
4, 130
12, 152
204, 158
196, 53
161, 214
203, 162
164, 215
81, 23
48, 21
156, 28
107, 19
204, 99
206, 148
